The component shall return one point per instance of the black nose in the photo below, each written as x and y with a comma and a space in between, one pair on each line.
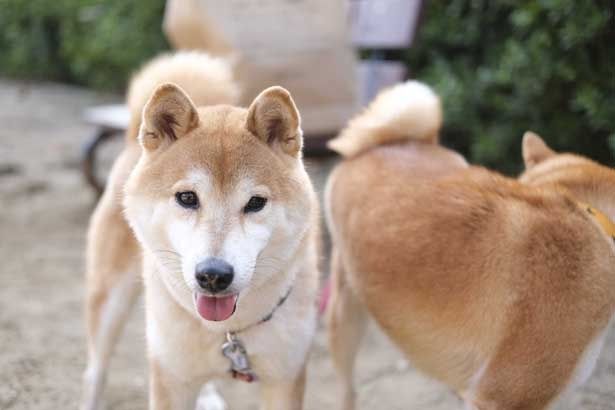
214, 275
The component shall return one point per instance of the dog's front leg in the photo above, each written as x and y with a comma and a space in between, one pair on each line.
167, 392
284, 395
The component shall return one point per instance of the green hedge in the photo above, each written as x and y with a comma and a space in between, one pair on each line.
501, 66
88, 42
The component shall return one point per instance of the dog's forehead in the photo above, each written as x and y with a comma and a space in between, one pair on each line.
206, 180
223, 154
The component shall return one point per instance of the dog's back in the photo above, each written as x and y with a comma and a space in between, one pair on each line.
486, 284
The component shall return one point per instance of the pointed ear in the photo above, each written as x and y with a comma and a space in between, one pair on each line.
534, 149
168, 115
274, 119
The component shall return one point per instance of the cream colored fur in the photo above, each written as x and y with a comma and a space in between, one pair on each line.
209, 80
408, 111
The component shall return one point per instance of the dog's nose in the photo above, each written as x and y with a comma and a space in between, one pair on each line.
214, 275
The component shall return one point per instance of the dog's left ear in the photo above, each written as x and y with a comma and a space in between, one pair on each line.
168, 115
274, 119
535, 150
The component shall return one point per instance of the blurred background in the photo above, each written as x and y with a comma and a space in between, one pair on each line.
501, 67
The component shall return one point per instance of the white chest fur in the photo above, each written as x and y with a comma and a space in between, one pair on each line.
181, 343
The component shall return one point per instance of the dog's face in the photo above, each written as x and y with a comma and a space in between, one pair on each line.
586, 180
220, 197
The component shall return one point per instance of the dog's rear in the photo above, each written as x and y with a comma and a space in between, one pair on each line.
400, 127
113, 257
487, 284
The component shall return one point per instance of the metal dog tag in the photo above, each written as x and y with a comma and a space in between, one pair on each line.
234, 350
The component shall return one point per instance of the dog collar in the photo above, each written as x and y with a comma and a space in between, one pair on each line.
603, 220
234, 350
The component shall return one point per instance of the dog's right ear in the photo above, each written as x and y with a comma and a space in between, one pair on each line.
535, 150
168, 115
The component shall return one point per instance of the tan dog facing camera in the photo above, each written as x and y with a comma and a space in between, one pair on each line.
502, 289
225, 219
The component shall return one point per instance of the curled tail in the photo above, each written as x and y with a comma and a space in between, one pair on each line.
207, 80
408, 111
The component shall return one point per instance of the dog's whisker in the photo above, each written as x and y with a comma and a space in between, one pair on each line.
166, 251
170, 262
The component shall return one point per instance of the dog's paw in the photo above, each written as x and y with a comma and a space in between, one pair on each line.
210, 399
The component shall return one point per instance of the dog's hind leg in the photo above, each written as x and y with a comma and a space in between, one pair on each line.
113, 284
515, 380
346, 325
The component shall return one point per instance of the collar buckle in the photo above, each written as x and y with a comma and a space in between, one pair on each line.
234, 350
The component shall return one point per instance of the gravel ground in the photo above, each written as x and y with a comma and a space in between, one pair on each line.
44, 211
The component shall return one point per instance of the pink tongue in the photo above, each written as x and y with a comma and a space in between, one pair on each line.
215, 308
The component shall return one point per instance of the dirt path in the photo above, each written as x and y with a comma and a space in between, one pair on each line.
44, 208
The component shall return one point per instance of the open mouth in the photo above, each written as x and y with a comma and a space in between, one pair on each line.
215, 308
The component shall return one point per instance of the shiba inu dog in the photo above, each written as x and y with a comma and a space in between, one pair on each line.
225, 227
502, 289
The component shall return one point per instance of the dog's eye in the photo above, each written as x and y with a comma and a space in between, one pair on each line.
187, 199
255, 204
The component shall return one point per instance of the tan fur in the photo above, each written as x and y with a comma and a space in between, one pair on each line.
493, 286
534, 149
582, 178
177, 139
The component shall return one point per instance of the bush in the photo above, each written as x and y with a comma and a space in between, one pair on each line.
90, 42
506, 66
501, 66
